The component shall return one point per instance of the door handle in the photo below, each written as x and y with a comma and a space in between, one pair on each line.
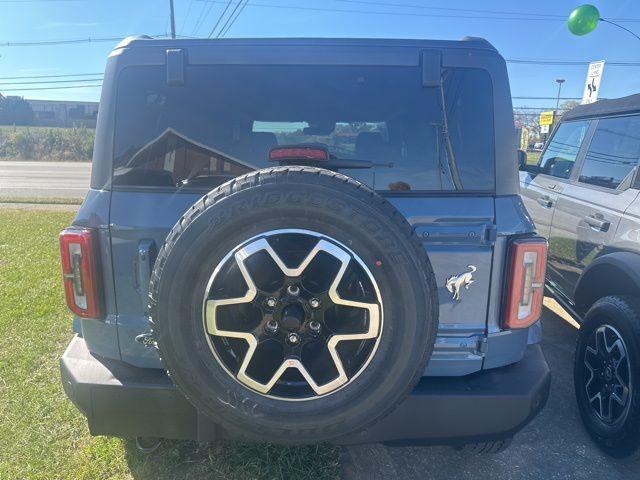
597, 224
545, 201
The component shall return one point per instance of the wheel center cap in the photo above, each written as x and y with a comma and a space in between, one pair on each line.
608, 373
292, 317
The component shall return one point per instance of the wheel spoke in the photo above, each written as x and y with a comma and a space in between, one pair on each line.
601, 342
618, 347
607, 383
372, 312
623, 397
597, 398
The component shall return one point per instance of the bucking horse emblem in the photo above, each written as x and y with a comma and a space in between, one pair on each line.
455, 282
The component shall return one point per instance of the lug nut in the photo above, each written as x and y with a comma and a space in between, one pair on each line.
271, 326
293, 338
314, 302
314, 326
293, 290
271, 302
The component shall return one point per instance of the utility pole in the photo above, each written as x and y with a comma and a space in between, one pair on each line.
173, 19
559, 81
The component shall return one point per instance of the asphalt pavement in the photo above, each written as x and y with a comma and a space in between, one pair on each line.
44, 179
553, 446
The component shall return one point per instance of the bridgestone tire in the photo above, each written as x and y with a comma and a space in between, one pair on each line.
314, 200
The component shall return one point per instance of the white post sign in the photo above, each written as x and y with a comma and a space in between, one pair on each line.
592, 84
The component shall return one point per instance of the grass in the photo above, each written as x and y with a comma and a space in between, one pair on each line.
10, 128
42, 435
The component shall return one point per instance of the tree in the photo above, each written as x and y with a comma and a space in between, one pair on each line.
15, 111
528, 119
568, 105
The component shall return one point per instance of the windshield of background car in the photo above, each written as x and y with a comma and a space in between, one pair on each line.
225, 118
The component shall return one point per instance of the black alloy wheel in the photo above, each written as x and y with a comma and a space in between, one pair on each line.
308, 318
607, 375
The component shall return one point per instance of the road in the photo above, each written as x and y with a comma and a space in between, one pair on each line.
44, 179
553, 446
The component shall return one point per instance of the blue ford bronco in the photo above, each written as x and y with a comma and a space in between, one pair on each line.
305, 240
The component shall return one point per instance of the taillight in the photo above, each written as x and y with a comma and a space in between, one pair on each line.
303, 152
79, 271
525, 282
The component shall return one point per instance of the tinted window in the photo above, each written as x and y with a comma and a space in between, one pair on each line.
225, 119
562, 150
613, 154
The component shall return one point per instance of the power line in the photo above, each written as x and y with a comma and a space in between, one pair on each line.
450, 9
37, 1
234, 20
546, 98
568, 62
184, 20
204, 13
198, 18
48, 88
60, 42
53, 76
229, 18
396, 13
68, 41
42, 82
220, 17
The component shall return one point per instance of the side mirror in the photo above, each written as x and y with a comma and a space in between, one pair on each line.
522, 159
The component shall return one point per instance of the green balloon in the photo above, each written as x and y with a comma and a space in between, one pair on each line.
583, 19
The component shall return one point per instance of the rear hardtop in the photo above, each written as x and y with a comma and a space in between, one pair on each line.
433, 56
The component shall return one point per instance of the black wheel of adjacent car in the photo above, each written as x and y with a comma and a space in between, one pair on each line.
607, 374
294, 305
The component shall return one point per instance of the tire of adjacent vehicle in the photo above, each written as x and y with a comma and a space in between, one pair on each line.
620, 439
302, 198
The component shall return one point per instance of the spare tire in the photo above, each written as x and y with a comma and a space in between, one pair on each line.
294, 305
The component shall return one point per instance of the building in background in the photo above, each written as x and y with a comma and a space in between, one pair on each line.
62, 113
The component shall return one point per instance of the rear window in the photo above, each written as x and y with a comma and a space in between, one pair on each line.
226, 118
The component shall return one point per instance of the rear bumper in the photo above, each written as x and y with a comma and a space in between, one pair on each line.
125, 401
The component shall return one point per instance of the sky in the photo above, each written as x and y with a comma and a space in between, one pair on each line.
528, 30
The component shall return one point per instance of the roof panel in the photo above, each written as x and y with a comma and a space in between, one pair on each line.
614, 106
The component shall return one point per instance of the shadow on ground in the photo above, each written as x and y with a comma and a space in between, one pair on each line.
190, 460
553, 446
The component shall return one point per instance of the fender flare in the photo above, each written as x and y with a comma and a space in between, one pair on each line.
612, 273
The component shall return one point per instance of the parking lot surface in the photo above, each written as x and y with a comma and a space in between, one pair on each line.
553, 446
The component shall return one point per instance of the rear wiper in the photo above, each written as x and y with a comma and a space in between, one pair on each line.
340, 163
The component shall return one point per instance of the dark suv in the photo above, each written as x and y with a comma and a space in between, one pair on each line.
305, 240
583, 195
